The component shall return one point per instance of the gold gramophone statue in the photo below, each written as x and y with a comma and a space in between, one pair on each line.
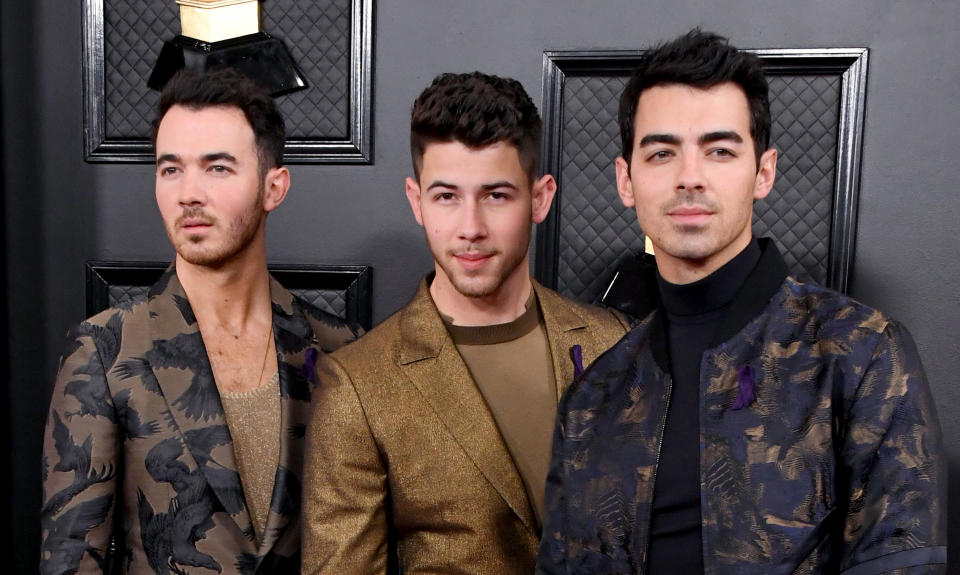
219, 34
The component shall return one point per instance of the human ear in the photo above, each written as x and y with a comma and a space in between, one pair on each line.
542, 194
413, 196
276, 184
624, 184
766, 174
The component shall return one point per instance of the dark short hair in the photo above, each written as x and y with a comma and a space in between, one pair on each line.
231, 89
702, 60
476, 110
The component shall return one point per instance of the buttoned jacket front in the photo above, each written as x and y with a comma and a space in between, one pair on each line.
405, 459
137, 444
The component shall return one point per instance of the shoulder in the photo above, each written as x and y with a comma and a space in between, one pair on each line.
373, 351
830, 312
594, 317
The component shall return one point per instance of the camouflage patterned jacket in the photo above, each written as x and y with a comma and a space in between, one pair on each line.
820, 448
137, 444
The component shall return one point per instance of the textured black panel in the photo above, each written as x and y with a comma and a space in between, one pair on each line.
590, 232
595, 229
333, 301
797, 212
133, 33
330, 40
317, 34
341, 290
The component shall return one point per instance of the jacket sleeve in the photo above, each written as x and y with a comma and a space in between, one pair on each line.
895, 518
80, 460
344, 508
553, 543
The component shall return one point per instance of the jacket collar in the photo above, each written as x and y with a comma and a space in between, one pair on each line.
185, 377
431, 361
761, 285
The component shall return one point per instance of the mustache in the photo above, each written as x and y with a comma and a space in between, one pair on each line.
688, 200
195, 213
473, 251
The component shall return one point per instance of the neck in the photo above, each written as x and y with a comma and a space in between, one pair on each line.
504, 305
684, 271
234, 296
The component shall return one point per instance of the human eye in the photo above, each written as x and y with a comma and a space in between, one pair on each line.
660, 155
219, 169
444, 197
166, 171
722, 153
498, 195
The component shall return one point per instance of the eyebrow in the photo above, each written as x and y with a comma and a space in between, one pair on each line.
707, 138
719, 135
490, 186
218, 156
498, 185
442, 184
206, 158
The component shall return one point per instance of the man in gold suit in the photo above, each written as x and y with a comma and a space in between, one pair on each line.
430, 437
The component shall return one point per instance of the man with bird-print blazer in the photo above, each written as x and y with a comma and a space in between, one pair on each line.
177, 422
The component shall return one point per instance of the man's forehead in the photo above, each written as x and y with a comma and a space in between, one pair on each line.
197, 128
500, 156
680, 106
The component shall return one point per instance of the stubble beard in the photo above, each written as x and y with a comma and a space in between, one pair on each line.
475, 285
237, 236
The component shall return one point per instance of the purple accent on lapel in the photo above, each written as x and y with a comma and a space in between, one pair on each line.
746, 380
576, 354
309, 363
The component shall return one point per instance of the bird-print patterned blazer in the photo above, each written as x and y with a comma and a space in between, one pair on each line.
137, 446
405, 460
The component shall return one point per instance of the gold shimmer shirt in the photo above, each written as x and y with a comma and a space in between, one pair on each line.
253, 418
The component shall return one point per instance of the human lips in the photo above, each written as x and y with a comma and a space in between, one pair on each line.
194, 223
473, 260
690, 214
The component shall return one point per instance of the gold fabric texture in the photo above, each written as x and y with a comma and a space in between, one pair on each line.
253, 418
401, 445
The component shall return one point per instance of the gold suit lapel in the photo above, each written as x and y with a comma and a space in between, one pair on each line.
565, 329
430, 359
179, 361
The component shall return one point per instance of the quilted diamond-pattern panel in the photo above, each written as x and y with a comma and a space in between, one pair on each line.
316, 33
596, 231
797, 213
318, 37
123, 295
332, 301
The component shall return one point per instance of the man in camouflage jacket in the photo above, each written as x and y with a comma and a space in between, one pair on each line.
814, 443
139, 451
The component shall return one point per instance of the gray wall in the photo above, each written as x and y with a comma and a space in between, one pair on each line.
61, 211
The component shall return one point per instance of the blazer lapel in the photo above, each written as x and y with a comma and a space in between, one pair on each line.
293, 335
431, 361
179, 360
565, 329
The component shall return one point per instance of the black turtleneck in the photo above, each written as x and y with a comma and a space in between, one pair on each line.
694, 315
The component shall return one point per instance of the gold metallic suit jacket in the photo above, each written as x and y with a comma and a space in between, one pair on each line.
137, 445
404, 459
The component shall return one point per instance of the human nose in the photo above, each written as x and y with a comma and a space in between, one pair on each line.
192, 189
472, 226
690, 176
